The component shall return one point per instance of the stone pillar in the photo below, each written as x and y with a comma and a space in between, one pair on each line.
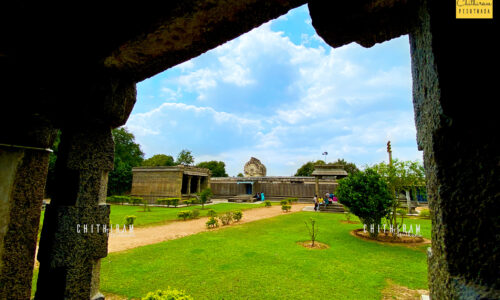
316, 185
23, 172
457, 128
69, 252
198, 187
189, 185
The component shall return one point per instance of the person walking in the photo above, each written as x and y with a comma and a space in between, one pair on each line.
316, 203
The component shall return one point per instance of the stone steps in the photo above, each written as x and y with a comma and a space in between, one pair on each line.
333, 208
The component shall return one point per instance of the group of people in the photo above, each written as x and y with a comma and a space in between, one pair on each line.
259, 196
328, 198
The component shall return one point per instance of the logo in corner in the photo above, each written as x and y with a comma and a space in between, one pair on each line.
474, 9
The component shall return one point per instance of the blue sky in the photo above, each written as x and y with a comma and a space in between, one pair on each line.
281, 94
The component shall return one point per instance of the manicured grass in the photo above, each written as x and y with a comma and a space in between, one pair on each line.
261, 260
159, 215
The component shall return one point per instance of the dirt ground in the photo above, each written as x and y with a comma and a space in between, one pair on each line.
155, 234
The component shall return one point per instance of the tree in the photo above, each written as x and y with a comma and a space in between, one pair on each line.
128, 154
158, 160
185, 157
240, 175
400, 176
218, 168
367, 195
308, 168
350, 168
205, 196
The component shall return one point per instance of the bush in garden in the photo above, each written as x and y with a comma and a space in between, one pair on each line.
284, 202
205, 196
267, 203
211, 213
175, 201
237, 215
313, 230
187, 202
212, 222
286, 208
195, 213
136, 200
226, 218
184, 214
129, 221
367, 196
169, 294
291, 200
425, 213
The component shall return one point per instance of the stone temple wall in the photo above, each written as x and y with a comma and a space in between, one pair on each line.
154, 185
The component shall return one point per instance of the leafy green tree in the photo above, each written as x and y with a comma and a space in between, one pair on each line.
240, 175
367, 195
158, 160
185, 157
400, 176
128, 154
218, 168
350, 168
205, 196
308, 168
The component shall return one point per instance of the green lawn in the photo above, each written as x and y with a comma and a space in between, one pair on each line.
261, 260
159, 215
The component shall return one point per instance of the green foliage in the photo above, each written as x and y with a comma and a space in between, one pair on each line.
348, 213
211, 213
184, 214
164, 201
312, 229
367, 196
169, 294
212, 222
185, 157
136, 200
425, 213
146, 206
187, 202
226, 218
195, 213
237, 215
284, 202
307, 168
175, 201
291, 200
267, 203
118, 199
159, 160
286, 208
240, 175
129, 221
217, 168
128, 154
205, 196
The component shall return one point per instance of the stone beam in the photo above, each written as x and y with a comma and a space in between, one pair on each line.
190, 29
365, 22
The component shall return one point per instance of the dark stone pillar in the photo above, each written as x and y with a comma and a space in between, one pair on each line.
73, 240
457, 127
189, 185
23, 171
198, 185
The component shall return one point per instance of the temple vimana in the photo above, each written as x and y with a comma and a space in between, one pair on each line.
152, 183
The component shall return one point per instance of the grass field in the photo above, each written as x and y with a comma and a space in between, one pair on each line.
262, 260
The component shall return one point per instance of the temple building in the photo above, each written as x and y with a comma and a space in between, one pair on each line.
324, 180
153, 183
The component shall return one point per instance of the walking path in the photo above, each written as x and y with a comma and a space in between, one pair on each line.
156, 234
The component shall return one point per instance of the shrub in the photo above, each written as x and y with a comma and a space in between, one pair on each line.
284, 202
136, 200
184, 214
205, 196
187, 202
129, 221
313, 230
212, 222
169, 294
348, 213
175, 201
425, 213
267, 203
286, 208
291, 200
195, 213
226, 218
146, 205
211, 213
117, 199
237, 215
367, 196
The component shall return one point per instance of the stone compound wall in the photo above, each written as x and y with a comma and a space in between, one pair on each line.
154, 185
